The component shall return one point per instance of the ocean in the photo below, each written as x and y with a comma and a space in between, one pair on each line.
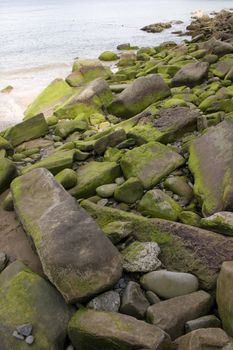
40, 38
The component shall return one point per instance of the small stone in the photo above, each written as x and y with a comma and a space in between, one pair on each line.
134, 303
70, 347
24, 329
109, 301
141, 257
102, 202
17, 335
106, 191
119, 180
116, 231
209, 321
152, 297
29, 340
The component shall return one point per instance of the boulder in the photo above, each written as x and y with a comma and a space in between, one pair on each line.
108, 56
96, 92
221, 222
224, 296
211, 162
217, 47
134, 303
105, 330
108, 301
129, 192
191, 74
209, 338
55, 162
26, 298
150, 163
106, 191
209, 321
168, 284
7, 173
157, 204
139, 95
66, 127
50, 98
67, 178
141, 257
116, 231
171, 315
47, 213
27, 130
179, 185
5, 144
111, 139
93, 175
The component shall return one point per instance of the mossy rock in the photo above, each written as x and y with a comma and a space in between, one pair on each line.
7, 173
30, 129
108, 56
26, 298
190, 218
53, 96
144, 133
129, 192
116, 231
93, 175
67, 127
54, 163
67, 178
76, 110
5, 145
113, 154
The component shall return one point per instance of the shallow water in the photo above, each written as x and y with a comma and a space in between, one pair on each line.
40, 38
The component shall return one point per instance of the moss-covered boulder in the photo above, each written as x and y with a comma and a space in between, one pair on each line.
65, 237
139, 95
96, 92
7, 172
211, 163
93, 175
116, 231
67, 178
91, 329
30, 129
108, 56
55, 163
5, 144
67, 127
129, 192
179, 185
221, 222
26, 298
157, 204
150, 163
111, 138
190, 218
84, 71
191, 74
53, 96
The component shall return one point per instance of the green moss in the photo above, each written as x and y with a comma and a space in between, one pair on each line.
108, 56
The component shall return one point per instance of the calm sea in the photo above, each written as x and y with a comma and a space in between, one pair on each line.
40, 38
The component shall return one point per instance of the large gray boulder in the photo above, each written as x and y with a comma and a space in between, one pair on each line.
90, 329
211, 162
75, 254
139, 95
191, 74
26, 298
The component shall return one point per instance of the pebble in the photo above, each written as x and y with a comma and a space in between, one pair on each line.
17, 335
29, 340
102, 202
119, 180
108, 301
24, 329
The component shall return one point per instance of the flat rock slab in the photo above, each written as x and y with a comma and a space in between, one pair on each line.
26, 298
211, 162
89, 329
150, 163
72, 248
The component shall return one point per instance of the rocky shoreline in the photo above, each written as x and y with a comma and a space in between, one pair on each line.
116, 223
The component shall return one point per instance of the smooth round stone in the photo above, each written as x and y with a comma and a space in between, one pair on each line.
119, 180
106, 191
169, 284
29, 340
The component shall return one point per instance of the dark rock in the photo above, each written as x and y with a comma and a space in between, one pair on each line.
191, 74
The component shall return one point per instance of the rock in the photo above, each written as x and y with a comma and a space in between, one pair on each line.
209, 338
39, 202
112, 139
213, 184
179, 185
108, 301
66, 127
29, 298
3, 261
24, 329
17, 335
209, 321
108, 56
27, 130
106, 191
150, 163
174, 122
224, 296
190, 218
86, 71
93, 175
7, 173
55, 163
56, 93
97, 92
221, 222
168, 284
217, 47
5, 145
100, 330
67, 178
184, 248
171, 315
139, 95
30, 340
191, 74
152, 297
129, 192
134, 302
116, 231
157, 27
157, 204
141, 257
